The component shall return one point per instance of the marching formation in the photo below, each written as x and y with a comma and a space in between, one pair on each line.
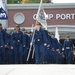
45, 48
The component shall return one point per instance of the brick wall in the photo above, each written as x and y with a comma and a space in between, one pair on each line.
29, 16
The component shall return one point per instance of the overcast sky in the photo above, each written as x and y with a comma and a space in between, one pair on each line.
63, 1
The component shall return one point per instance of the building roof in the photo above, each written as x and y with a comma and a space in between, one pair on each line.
46, 6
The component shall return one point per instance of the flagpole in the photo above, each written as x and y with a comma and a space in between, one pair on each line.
33, 52
31, 45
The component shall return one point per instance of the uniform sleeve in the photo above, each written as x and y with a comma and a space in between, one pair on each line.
25, 38
72, 45
21, 36
4, 36
57, 43
28, 42
50, 42
45, 36
46, 32
64, 45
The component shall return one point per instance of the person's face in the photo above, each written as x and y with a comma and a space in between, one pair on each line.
67, 38
38, 26
17, 28
52, 36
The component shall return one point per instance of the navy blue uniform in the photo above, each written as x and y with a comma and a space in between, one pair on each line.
25, 47
9, 51
68, 47
3, 38
17, 43
40, 38
59, 55
55, 46
60, 58
48, 51
60, 47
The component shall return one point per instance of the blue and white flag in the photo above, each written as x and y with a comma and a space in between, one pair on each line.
3, 14
41, 16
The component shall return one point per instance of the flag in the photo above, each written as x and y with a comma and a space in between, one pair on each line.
41, 16
57, 33
3, 14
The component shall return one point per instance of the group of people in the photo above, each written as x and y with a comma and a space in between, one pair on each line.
45, 48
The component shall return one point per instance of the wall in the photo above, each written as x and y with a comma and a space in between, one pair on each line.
30, 10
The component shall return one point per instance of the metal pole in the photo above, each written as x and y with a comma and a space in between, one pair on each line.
31, 46
33, 52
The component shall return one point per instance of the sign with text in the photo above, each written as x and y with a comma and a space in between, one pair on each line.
59, 16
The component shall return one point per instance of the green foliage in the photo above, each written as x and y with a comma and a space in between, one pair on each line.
30, 1
13, 1
34, 1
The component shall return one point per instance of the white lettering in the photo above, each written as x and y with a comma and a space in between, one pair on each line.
57, 16
63, 16
68, 16
50, 16
73, 16
2, 15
